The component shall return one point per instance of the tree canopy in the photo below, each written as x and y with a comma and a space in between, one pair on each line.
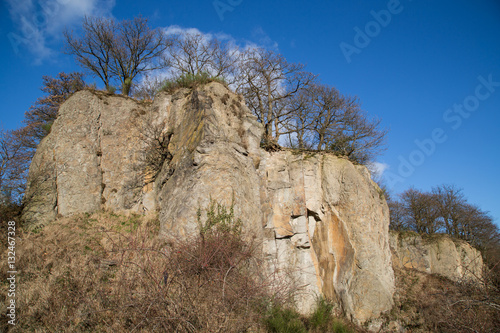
444, 209
117, 50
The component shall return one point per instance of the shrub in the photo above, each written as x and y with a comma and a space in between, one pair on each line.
105, 272
428, 302
322, 316
190, 81
110, 273
111, 89
283, 320
219, 219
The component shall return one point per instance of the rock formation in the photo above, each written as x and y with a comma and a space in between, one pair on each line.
89, 160
322, 222
437, 254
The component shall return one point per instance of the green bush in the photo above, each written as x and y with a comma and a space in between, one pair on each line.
322, 316
280, 319
283, 320
189, 80
219, 219
338, 326
111, 89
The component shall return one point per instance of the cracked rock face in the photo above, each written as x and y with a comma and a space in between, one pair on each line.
330, 229
89, 161
322, 222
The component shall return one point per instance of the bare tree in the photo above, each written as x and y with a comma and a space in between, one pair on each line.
397, 215
330, 112
450, 200
420, 213
121, 50
445, 209
195, 53
322, 117
476, 225
137, 50
267, 81
297, 124
93, 51
362, 138
14, 162
38, 120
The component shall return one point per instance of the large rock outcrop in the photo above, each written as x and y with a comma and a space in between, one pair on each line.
437, 254
90, 159
322, 222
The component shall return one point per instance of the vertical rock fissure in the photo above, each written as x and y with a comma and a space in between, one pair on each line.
99, 153
54, 176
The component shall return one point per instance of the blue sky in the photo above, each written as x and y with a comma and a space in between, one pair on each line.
429, 69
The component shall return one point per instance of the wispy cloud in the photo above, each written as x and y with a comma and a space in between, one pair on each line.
377, 169
38, 24
263, 39
178, 30
260, 38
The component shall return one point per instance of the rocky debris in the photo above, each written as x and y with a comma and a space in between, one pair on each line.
106, 263
437, 254
322, 222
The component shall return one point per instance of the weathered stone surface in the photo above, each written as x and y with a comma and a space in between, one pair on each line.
437, 254
342, 221
322, 222
89, 161
215, 150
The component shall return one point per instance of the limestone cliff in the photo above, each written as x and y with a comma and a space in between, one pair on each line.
322, 222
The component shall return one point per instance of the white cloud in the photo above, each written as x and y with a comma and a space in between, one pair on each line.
177, 30
377, 169
39, 23
263, 39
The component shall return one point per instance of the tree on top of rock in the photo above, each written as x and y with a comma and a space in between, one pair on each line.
43, 112
268, 82
117, 50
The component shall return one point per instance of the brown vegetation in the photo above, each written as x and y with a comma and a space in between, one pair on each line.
111, 273
431, 303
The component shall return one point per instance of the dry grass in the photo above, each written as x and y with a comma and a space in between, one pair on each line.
110, 273
431, 303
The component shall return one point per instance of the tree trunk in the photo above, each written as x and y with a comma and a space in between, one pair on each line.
127, 83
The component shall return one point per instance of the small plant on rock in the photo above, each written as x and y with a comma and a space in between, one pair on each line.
190, 81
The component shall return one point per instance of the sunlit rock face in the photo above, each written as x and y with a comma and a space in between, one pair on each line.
321, 222
330, 224
437, 254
